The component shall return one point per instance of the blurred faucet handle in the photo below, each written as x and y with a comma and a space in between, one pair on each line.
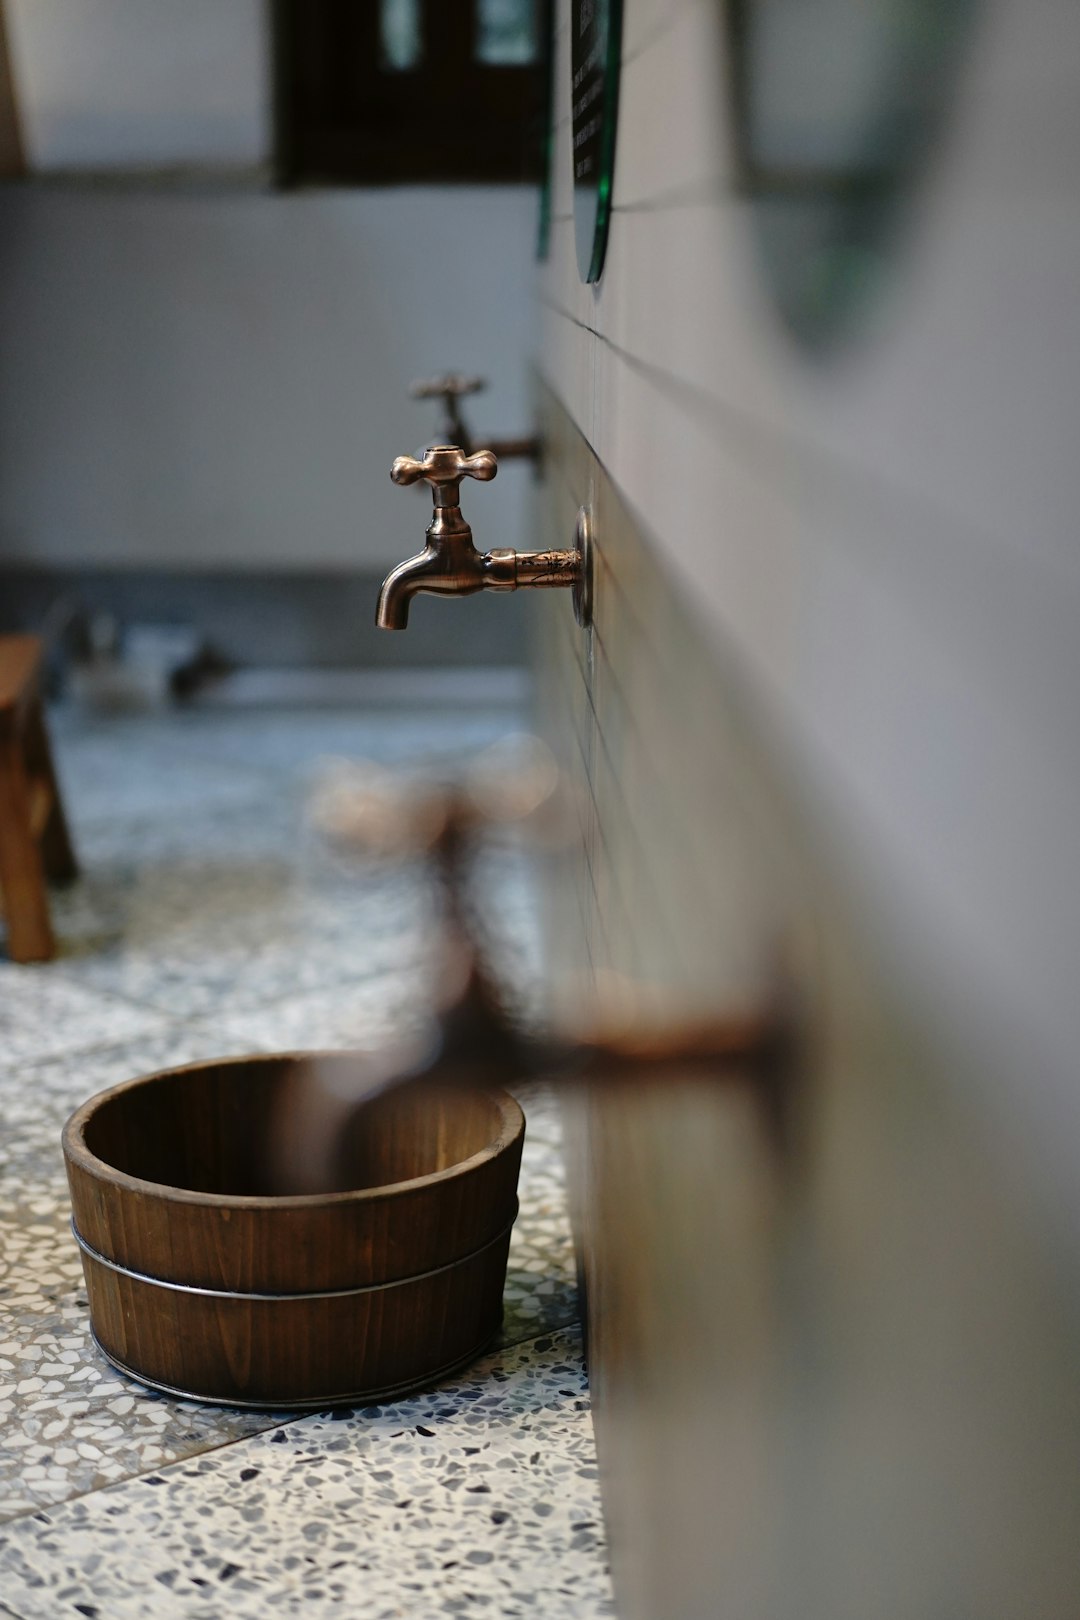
369, 810
377, 811
447, 386
450, 387
511, 783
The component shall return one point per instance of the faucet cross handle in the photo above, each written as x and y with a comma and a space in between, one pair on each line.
443, 467
450, 387
447, 385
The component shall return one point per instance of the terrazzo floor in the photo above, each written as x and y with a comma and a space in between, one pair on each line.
210, 920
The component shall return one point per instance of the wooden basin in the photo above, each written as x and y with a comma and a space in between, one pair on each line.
206, 1278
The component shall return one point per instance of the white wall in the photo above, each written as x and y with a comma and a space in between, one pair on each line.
139, 84
883, 547
209, 380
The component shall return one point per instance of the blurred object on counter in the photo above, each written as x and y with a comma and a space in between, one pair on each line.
142, 666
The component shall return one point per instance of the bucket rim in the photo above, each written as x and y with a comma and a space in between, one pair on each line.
77, 1154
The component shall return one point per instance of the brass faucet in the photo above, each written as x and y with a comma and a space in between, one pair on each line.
475, 1037
450, 564
449, 388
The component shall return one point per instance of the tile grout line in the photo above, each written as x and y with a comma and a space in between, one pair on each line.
697, 402
287, 1422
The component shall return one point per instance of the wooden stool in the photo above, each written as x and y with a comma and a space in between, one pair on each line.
34, 839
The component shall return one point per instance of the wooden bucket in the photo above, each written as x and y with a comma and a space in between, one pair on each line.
206, 1279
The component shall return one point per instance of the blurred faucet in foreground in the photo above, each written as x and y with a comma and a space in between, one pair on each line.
473, 1037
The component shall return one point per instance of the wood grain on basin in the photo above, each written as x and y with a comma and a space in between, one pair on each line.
207, 1274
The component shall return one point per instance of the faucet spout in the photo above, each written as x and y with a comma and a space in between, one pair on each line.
449, 565
400, 586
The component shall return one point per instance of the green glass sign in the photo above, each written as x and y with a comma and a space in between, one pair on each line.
595, 46
837, 105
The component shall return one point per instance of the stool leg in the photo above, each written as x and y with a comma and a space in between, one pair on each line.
56, 847
30, 936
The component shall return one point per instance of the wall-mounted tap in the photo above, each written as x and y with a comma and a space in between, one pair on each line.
450, 564
449, 388
475, 1035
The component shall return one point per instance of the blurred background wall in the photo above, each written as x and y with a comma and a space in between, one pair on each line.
200, 374
212, 380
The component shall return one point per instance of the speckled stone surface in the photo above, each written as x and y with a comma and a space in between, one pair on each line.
208, 921
479, 1497
67, 1423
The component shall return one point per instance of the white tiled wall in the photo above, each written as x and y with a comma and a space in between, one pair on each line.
880, 543
220, 380
835, 1379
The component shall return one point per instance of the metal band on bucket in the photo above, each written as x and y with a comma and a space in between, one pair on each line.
306, 1403
325, 1293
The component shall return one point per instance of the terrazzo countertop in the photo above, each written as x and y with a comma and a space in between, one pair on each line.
208, 922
